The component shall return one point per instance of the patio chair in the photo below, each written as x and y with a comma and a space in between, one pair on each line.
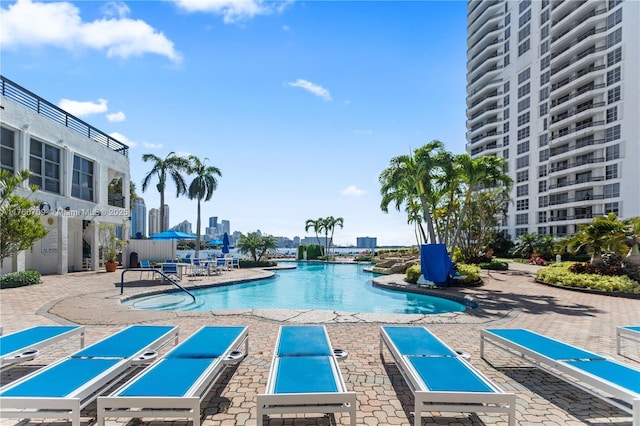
439, 378
199, 267
171, 270
25, 345
145, 264
175, 386
305, 376
609, 380
62, 389
629, 332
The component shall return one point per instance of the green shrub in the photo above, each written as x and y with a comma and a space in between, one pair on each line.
559, 274
495, 265
19, 279
471, 272
413, 274
250, 263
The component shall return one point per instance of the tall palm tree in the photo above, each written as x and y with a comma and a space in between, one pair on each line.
317, 226
202, 187
605, 233
330, 224
475, 174
171, 165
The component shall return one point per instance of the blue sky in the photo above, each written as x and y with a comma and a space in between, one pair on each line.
300, 104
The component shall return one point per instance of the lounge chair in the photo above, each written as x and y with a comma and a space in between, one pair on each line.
630, 332
174, 386
145, 264
604, 378
439, 378
305, 376
62, 389
26, 344
171, 270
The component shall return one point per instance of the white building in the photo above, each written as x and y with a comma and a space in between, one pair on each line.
553, 86
73, 164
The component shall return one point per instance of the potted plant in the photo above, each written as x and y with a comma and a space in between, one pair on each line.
111, 246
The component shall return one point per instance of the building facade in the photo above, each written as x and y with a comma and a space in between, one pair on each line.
154, 221
139, 218
369, 243
553, 87
76, 168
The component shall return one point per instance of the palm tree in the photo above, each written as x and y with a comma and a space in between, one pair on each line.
605, 233
317, 226
171, 165
633, 232
330, 224
202, 187
255, 245
483, 172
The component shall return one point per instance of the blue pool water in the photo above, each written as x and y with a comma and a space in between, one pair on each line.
323, 286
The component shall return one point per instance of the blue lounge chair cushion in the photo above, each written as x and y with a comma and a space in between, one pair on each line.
169, 377
305, 374
543, 345
635, 328
417, 341
30, 336
614, 372
62, 379
303, 340
125, 343
442, 374
208, 342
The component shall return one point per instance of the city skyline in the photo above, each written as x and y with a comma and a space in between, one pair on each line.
300, 104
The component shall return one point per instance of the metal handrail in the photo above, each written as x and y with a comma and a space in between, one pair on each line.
155, 271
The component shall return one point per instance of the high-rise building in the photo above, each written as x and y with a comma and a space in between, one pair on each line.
165, 225
139, 218
553, 87
225, 226
184, 226
367, 242
213, 221
154, 221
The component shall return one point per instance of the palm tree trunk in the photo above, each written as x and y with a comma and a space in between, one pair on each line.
463, 213
197, 255
162, 228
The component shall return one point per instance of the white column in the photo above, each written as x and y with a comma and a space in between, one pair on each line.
63, 245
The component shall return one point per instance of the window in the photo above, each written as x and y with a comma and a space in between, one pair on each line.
612, 114
542, 230
543, 139
542, 170
614, 18
612, 152
507, 19
524, 90
506, 100
524, 32
583, 177
507, 34
7, 149
44, 165
523, 147
524, 104
612, 190
505, 127
584, 194
82, 183
522, 176
506, 58
523, 133
524, 76
544, 32
545, 62
611, 208
613, 95
612, 133
614, 56
614, 3
613, 76
526, 17
524, 4
614, 38
524, 47
544, 16
543, 201
544, 47
505, 153
611, 172
542, 217
521, 231
545, 3
522, 190
544, 78
522, 219
542, 186
505, 87
544, 93
544, 109
523, 119
505, 140
522, 162
522, 204
544, 155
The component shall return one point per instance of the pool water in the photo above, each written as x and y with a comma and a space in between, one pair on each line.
322, 286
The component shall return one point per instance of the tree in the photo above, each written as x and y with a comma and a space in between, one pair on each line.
605, 233
171, 165
526, 245
20, 226
202, 187
329, 226
255, 245
317, 226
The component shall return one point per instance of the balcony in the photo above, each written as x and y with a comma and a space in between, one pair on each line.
577, 75
588, 141
566, 183
576, 110
115, 200
578, 92
590, 51
565, 165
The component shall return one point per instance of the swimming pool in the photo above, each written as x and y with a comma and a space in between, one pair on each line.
322, 286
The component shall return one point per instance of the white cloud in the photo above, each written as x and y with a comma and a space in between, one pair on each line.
83, 108
33, 24
286, 28
233, 11
353, 191
122, 138
363, 132
150, 145
311, 87
116, 117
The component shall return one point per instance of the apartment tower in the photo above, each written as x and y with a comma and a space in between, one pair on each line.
553, 87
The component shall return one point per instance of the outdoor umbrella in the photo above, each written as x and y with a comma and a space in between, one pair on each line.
215, 243
172, 235
225, 243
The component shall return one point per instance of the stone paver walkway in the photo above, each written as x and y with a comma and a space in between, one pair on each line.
507, 299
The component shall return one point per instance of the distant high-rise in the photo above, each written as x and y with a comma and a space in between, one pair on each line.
367, 242
139, 218
154, 221
165, 225
225, 226
553, 87
213, 221
184, 226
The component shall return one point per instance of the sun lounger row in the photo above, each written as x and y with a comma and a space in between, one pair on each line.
304, 376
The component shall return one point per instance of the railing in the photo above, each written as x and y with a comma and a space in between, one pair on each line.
28, 99
115, 199
154, 271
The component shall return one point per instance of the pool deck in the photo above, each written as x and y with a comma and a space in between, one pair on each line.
509, 299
